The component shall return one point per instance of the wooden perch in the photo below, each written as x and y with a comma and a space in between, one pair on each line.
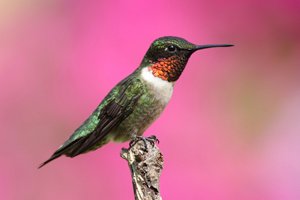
145, 165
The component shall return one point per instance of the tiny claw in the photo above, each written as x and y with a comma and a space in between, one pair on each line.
136, 139
152, 139
132, 143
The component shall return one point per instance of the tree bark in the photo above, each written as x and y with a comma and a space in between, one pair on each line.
146, 163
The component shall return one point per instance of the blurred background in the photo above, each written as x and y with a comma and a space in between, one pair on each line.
230, 132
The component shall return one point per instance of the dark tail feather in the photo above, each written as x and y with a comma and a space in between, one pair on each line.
61, 151
53, 157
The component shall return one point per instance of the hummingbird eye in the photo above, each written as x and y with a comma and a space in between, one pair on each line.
171, 49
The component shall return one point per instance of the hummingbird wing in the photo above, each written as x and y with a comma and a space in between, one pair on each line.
111, 116
115, 107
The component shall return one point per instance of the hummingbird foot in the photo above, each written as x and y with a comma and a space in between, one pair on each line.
152, 139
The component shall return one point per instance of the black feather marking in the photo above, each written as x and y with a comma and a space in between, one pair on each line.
113, 114
58, 153
49, 160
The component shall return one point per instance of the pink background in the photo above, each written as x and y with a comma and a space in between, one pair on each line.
231, 131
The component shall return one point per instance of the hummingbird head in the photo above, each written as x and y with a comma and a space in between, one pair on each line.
167, 56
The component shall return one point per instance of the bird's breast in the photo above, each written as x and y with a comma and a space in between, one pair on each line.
151, 104
162, 89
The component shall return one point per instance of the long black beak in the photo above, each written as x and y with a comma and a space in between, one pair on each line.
206, 46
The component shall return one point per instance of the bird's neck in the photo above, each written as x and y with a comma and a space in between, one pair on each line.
168, 69
161, 88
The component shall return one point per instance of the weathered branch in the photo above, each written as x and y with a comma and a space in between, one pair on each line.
145, 166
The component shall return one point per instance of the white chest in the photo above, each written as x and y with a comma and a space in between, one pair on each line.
162, 89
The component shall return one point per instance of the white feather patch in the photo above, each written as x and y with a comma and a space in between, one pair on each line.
163, 89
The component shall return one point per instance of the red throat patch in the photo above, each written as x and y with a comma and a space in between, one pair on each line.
168, 69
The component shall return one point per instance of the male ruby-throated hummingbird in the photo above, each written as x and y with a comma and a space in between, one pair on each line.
135, 102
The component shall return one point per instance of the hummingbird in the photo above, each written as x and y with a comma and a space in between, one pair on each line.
136, 101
